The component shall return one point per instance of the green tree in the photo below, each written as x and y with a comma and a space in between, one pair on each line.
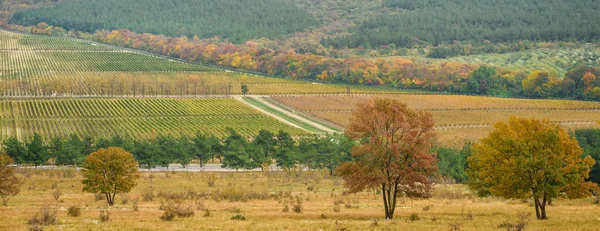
265, 142
529, 158
110, 171
144, 153
15, 149
203, 147
589, 140
37, 151
9, 183
244, 88
453, 162
73, 152
235, 153
185, 150
286, 154
394, 152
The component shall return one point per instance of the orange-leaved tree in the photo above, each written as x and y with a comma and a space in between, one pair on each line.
393, 154
529, 158
110, 171
9, 183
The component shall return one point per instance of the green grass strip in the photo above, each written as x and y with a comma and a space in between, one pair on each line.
302, 115
280, 114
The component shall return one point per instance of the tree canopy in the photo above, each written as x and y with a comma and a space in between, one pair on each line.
110, 171
238, 21
394, 152
446, 21
9, 183
529, 158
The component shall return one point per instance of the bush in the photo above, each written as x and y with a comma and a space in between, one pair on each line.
297, 207
286, 208
104, 215
427, 208
56, 194
124, 199
44, 217
148, 196
414, 217
211, 179
168, 215
238, 217
173, 210
74, 211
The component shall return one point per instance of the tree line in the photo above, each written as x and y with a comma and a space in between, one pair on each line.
237, 21
237, 152
399, 73
441, 21
233, 151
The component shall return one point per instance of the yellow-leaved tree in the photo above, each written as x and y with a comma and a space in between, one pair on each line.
9, 183
529, 158
110, 171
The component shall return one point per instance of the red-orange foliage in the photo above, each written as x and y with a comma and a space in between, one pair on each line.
394, 152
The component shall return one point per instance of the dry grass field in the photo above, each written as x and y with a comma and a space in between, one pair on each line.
459, 118
249, 194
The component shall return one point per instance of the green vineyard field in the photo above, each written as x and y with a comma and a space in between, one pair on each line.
43, 66
136, 118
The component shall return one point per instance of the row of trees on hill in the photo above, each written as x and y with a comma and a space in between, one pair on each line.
397, 73
443, 21
238, 21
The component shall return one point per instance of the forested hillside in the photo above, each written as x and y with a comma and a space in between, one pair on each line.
237, 20
445, 21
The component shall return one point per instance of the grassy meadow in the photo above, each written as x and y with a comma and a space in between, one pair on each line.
261, 197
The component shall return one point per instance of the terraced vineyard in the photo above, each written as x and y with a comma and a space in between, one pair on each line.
138, 118
458, 118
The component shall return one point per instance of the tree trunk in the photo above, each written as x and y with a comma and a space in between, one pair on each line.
543, 209
389, 203
540, 209
109, 199
385, 202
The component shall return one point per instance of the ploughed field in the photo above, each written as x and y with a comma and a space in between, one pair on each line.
132, 117
458, 118
262, 199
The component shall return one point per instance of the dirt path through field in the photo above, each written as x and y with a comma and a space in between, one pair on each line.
285, 112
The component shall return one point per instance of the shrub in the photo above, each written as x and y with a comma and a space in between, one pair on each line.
297, 207
211, 179
135, 204
104, 215
427, 208
238, 217
519, 225
168, 215
74, 211
44, 217
286, 208
124, 199
414, 217
207, 212
148, 196
56, 194
175, 209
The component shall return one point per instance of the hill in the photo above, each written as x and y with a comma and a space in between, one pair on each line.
443, 21
236, 20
